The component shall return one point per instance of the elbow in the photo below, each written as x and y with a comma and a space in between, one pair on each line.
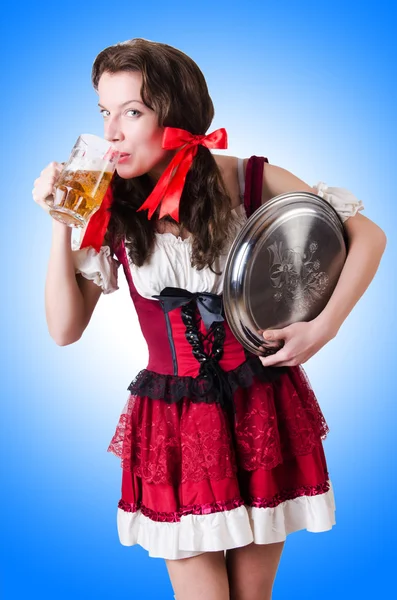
359, 227
379, 239
64, 340
65, 337
384, 238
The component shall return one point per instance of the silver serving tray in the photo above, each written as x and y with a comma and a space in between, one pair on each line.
282, 267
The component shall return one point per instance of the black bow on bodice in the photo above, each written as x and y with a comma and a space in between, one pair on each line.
209, 305
210, 308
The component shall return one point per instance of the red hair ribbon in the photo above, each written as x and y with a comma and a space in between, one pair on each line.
168, 189
98, 223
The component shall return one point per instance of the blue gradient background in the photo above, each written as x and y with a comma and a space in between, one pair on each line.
312, 87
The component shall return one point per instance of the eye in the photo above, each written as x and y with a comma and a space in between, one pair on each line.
131, 110
104, 112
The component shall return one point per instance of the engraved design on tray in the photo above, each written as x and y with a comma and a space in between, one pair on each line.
296, 275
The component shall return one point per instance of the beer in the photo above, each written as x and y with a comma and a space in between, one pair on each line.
84, 180
79, 194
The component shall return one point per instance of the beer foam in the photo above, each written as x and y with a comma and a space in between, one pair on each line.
83, 163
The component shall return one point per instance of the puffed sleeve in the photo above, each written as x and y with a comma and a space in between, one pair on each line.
100, 267
344, 202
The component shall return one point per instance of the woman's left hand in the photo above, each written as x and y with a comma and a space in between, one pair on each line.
301, 341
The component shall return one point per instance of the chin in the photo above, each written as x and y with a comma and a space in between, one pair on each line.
129, 171
125, 175
126, 172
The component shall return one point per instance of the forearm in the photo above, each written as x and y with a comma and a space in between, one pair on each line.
366, 247
64, 301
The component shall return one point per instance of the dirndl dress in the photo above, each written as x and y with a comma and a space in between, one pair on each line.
216, 450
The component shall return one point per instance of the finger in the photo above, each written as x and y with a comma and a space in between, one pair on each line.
288, 363
42, 193
271, 346
274, 359
272, 335
268, 344
51, 171
267, 350
55, 171
43, 198
43, 204
44, 186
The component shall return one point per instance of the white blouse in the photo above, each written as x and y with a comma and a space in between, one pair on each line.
170, 265
170, 262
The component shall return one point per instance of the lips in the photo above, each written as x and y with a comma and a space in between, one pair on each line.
124, 156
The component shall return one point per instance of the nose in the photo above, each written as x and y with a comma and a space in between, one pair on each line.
113, 131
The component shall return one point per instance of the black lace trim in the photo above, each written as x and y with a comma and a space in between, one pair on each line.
210, 370
172, 388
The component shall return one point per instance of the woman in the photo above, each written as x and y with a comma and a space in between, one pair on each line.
221, 451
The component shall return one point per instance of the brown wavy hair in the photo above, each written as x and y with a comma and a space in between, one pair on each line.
174, 87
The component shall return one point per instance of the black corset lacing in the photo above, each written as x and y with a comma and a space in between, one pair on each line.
210, 308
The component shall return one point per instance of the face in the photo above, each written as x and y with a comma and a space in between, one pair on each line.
131, 126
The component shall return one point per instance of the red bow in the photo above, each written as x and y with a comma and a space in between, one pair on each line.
169, 187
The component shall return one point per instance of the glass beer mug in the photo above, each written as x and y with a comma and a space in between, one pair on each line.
83, 181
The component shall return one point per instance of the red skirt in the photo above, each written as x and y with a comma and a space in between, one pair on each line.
196, 478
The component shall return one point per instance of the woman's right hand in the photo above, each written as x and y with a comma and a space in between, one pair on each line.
43, 190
